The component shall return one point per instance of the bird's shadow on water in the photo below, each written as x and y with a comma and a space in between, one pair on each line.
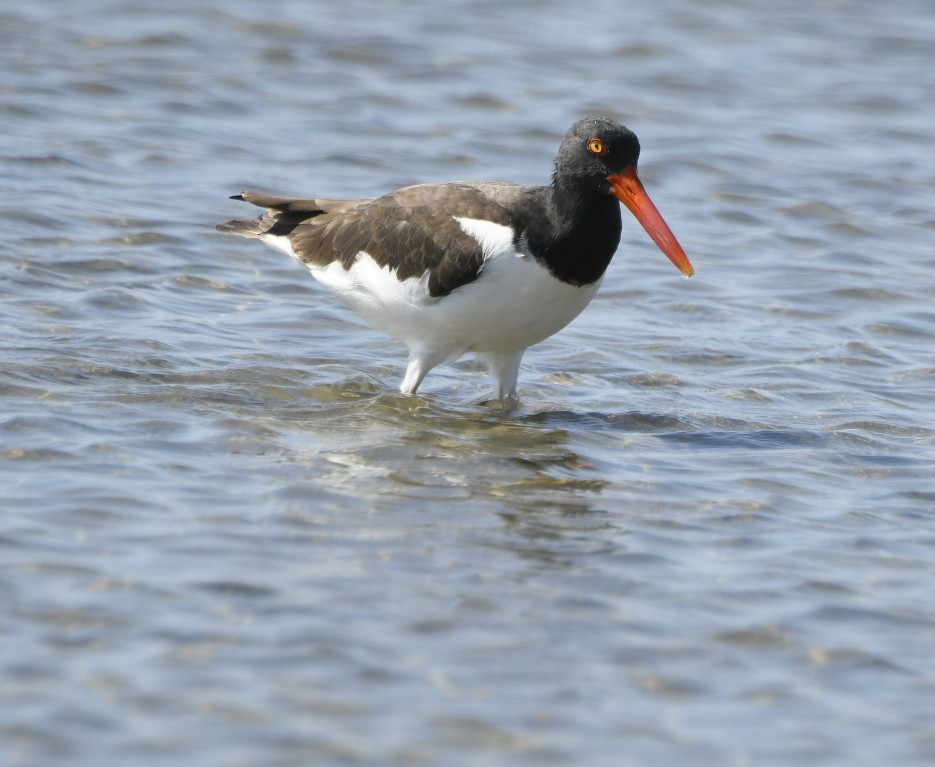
627, 421
524, 467
563, 482
699, 431
530, 432
533, 422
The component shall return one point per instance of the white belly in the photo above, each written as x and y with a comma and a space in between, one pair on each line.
514, 303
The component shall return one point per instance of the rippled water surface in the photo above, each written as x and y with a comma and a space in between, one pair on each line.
706, 537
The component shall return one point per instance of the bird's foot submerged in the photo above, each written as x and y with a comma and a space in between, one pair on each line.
506, 405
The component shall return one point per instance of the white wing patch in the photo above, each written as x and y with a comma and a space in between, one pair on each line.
494, 239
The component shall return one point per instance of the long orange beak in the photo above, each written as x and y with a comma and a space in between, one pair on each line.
629, 190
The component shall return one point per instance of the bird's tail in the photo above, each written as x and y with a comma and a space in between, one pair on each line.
245, 227
282, 216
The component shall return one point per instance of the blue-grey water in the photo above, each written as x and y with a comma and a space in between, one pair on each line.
706, 537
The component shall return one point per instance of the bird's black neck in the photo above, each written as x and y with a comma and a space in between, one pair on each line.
578, 236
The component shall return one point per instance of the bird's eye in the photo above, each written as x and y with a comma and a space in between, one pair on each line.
597, 147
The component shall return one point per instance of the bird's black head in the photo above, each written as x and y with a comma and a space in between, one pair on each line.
592, 150
598, 156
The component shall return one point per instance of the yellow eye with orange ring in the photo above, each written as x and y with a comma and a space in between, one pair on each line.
598, 147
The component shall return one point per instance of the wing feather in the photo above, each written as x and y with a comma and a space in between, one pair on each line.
412, 231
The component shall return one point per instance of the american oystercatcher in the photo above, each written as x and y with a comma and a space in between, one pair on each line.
476, 266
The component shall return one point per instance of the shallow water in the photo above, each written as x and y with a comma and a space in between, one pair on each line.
707, 536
